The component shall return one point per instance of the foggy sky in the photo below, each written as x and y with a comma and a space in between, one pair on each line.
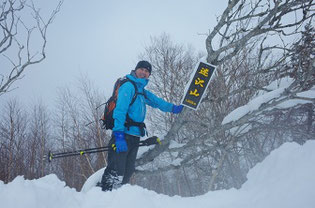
103, 39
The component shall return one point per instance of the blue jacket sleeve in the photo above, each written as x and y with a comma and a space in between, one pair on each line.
156, 102
125, 95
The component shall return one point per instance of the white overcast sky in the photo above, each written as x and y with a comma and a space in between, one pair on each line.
103, 39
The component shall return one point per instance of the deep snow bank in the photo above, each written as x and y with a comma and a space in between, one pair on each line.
286, 178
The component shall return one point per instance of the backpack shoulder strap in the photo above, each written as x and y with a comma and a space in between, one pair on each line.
126, 79
137, 93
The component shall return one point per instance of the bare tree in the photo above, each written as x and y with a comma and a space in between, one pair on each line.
16, 45
172, 66
13, 131
251, 27
243, 21
242, 24
92, 110
196, 165
77, 127
24, 139
37, 142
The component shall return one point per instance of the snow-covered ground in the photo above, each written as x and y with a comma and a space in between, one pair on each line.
285, 179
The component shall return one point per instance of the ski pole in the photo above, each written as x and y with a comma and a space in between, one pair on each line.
51, 155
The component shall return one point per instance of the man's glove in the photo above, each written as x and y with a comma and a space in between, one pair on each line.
177, 109
120, 142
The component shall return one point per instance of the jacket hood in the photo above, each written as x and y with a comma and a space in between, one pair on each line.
141, 82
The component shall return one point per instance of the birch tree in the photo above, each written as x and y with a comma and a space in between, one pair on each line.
13, 134
78, 127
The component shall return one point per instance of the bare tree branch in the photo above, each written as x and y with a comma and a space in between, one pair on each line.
11, 25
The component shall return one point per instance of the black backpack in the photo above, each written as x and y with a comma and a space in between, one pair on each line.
107, 118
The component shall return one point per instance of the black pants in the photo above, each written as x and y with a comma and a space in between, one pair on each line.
120, 166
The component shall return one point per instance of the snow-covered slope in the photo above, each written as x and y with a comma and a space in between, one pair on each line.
285, 179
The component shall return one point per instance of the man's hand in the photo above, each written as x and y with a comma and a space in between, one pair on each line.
120, 142
177, 109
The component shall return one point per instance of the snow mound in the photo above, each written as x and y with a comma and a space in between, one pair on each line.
93, 180
286, 178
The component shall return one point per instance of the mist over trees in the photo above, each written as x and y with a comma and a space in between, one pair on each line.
262, 95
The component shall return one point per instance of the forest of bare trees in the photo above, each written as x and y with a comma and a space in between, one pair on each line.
258, 48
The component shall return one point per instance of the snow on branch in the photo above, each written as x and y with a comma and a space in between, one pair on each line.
249, 25
243, 21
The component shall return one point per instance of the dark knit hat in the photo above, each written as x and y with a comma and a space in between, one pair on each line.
144, 64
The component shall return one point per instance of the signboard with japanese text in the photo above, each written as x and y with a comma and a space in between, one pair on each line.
198, 85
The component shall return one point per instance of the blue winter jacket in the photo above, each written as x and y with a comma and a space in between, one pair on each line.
137, 110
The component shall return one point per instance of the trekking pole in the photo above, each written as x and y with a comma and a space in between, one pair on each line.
52, 155
150, 141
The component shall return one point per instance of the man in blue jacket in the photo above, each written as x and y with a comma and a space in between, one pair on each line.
129, 126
